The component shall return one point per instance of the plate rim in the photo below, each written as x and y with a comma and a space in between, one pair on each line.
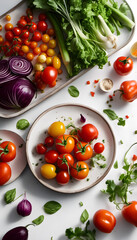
68, 105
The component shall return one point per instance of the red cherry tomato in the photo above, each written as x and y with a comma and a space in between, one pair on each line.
65, 161
79, 170
42, 26
104, 220
17, 40
9, 35
123, 65
22, 23
5, 173
62, 177
51, 156
83, 151
88, 132
42, 17
29, 18
41, 149
49, 141
16, 31
65, 144
36, 36
129, 212
49, 75
99, 147
24, 34
7, 151
32, 27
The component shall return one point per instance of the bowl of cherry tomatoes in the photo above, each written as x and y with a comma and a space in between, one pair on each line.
67, 154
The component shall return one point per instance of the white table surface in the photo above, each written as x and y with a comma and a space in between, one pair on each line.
38, 195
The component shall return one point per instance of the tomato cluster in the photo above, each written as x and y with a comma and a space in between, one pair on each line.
35, 41
7, 154
68, 152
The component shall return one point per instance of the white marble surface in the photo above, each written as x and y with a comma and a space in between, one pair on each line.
93, 199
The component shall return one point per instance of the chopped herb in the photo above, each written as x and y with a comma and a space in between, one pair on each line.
0, 139
84, 216
121, 141
103, 140
113, 116
40, 159
73, 91
51, 238
116, 165
36, 164
110, 106
88, 179
21, 145
109, 63
97, 159
81, 204
135, 132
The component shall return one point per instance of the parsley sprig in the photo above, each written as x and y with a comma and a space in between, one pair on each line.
118, 193
98, 159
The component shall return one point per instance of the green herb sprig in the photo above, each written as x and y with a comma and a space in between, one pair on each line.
113, 116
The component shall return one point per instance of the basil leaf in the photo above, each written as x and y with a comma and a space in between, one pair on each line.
38, 220
116, 165
52, 207
111, 114
84, 216
10, 196
22, 124
73, 91
121, 122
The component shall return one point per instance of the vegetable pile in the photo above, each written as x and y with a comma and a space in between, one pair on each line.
67, 149
85, 29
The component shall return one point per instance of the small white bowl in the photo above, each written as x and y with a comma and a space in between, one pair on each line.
106, 84
133, 50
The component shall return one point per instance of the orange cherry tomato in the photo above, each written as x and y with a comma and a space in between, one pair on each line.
67, 143
8, 26
83, 151
79, 170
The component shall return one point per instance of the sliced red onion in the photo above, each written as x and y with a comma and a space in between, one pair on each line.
4, 69
82, 118
20, 65
17, 93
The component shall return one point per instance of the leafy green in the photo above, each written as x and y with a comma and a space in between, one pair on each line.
10, 196
52, 207
84, 216
80, 234
38, 220
22, 124
116, 165
118, 192
113, 116
73, 91
98, 159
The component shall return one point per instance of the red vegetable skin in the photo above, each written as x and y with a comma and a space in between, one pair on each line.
5, 173
49, 75
129, 90
129, 212
104, 220
88, 132
7, 151
123, 65
62, 177
18, 233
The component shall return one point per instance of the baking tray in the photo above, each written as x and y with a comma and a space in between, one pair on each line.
63, 80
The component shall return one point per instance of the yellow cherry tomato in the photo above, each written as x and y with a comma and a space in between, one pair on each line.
56, 62
52, 43
56, 129
50, 52
38, 67
1, 39
8, 17
48, 171
45, 38
25, 49
49, 61
41, 58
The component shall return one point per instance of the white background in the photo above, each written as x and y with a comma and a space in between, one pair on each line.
93, 199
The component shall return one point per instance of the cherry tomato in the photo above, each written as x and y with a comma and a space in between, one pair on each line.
83, 151
56, 62
5, 173
129, 212
79, 170
1, 39
26, 42
52, 43
22, 23
32, 27
62, 177
16, 40
48, 171
88, 132
40, 148
8, 17
16, 31
123, 65
50, 32
104, 220
56, 129
25, 49
65, 143
51, 156
42, 26
45, 38
33, 44
37, 50
40, 85
65, 161
99, 147
50, 52
49, 75
42, 17
29, 18
9, 35
29, 11
8, 26
30, 56
1, 27
43, 47
7, 151
49, 141
36, 36
24, 34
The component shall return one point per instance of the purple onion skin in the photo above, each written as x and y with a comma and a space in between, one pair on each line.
18, 233
24, 208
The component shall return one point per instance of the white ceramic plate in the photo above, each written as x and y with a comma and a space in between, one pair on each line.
62, 81
70, 113
20, 161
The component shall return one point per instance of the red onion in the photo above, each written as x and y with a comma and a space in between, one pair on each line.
24, 208
4, 69
17, 93
82, 118
20, 65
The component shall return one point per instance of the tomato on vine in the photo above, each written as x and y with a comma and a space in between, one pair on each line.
123, 65
65, 161
65, 143
83, 151
7, 151
79, 170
